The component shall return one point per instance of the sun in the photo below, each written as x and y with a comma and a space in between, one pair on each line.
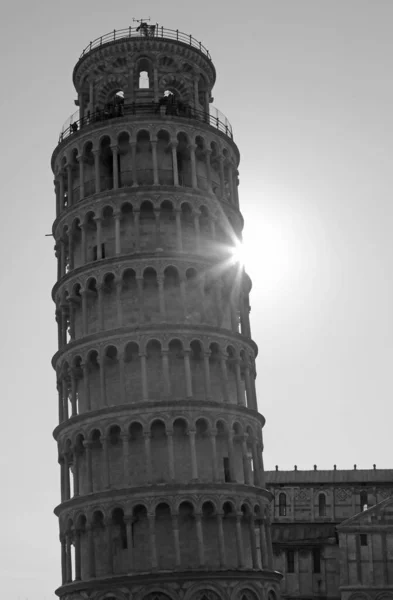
239, 253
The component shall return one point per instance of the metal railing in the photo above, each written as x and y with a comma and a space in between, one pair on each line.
147, 31
217, 120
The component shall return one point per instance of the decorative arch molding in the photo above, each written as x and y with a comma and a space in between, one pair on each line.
156, 592
247, 591
206, 591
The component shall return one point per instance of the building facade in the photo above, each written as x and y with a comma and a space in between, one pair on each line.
366, 554
163, 490
307, 508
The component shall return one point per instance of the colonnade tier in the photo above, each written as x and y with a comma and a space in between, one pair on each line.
106, 299
124, 371
148, 156
192, 530
140, 223
113, 453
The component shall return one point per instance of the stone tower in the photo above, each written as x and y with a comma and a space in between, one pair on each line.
159, 439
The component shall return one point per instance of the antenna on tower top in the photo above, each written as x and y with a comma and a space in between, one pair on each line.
140, 20
145, 29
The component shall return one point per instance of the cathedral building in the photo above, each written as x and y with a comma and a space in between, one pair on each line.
330, 532
163, 490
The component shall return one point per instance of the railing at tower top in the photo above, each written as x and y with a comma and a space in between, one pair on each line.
214, 118
146, 31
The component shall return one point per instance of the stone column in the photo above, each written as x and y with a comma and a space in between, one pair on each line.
139, 283
70, 249
63, 559
74, 411
78, 565
97, 175
197, 214
137, 230
99, 237
231, 456
133, 164
100, 306
248, 385
60, 400
246, 462
257, 475
83, 244
171, 455
81, 161
155, 82
175, 529
179, 241
157, 232
194, 464
213, 434
194, 180
174, 164
91, 552
161, 297
117, 216
61, 190
206, 373
208, 168
222, 178
152, 541
224, 375
122, 376
64, 387
86, 386
130, 568
115, 167
187, 368
264, 552
101, 363
239, 541
84, 312
69, 184
108, 526
254, 553
126, 474
147, 436
221, 540
155, 164
76, 472
239, 388
145, 392
106, 466
165, 370
87, 445
68, 557
199, 534
119, 306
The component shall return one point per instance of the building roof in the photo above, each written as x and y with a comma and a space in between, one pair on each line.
302, 533
297, 477
379, 515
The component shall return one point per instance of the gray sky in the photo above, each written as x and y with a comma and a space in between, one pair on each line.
307, 87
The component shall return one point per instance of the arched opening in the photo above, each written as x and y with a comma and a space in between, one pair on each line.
282, 505
321, 505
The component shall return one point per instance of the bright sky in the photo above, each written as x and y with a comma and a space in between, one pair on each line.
307, 87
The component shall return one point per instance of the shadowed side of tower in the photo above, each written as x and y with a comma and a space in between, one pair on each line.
159, 438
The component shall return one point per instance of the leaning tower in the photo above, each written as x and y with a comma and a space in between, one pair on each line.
159, 438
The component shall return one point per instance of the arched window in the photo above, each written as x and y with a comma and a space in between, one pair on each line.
282, 505
363, 500
290, 561
322, 505
144, 80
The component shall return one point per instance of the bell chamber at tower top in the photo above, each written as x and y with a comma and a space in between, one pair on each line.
146, 71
